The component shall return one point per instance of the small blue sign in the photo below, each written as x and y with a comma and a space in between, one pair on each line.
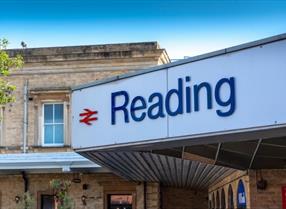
241, 196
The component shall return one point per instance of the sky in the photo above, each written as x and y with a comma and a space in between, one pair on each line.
182, 27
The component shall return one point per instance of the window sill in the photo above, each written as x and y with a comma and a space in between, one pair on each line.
51, 146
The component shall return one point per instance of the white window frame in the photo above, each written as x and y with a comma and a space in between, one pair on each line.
43, 125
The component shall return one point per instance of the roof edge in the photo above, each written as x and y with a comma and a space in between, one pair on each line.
154, 43
185, 61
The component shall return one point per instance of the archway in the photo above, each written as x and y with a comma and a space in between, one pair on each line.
213, 201
230, 203
241, 195
217, 206
222, 199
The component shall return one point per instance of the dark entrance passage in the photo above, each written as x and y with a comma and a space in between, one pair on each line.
222, 201
118, 201
47, 202
230, 198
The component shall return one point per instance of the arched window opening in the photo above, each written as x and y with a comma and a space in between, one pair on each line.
241, 195
213, 201
210, 203
230, 203
217, 206
222, 199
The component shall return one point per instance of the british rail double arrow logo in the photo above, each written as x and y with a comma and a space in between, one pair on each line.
87, 116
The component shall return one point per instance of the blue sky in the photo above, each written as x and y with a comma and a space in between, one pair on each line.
184, 28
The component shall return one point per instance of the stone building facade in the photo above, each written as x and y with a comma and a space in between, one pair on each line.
32, 155
49, 74
224, 194
35, 140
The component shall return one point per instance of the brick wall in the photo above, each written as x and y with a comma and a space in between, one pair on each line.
230, 182
177, 198
51, 72
99, 186
270, 198
10, 187
48, 69
153, 196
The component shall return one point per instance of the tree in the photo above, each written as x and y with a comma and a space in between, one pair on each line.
61, 193
7, 64
27, 201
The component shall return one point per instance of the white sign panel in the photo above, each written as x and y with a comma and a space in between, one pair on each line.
243, 89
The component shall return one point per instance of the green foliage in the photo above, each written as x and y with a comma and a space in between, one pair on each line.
7, 63
27, 201
61, 188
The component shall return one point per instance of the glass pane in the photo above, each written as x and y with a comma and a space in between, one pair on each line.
48, 113
59, 113
48, 137
59, 134
121, 199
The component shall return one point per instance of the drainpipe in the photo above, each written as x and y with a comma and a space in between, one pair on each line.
145, 194
25, 121
26, 181
161, 197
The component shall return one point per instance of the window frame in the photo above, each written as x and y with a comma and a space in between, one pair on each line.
109, 199
124, 192
43, 124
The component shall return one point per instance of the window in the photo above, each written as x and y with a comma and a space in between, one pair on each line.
53, 124
117, 201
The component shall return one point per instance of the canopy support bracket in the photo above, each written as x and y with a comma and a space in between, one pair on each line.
217, 153
254, 153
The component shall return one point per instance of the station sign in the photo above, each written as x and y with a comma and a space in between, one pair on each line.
233, 91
